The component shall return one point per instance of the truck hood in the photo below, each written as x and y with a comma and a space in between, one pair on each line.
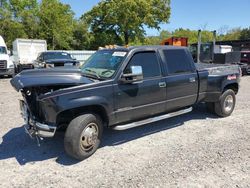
49, 77
51, 61
4, 57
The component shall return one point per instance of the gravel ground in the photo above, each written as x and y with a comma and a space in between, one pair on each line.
193, 150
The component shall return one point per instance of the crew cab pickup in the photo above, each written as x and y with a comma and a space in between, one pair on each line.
121, 88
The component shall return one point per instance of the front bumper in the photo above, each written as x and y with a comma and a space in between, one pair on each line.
34, 128
8, 72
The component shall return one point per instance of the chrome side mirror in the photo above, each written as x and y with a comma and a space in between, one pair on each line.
132, 74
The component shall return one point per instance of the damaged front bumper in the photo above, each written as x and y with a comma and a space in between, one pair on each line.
34, 128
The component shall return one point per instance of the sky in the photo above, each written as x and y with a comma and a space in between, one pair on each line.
219, 15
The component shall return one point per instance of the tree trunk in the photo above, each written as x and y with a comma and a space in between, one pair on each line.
126, 37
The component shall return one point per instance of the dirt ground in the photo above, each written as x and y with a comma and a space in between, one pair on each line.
193, 150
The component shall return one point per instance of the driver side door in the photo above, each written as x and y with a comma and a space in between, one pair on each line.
139, 100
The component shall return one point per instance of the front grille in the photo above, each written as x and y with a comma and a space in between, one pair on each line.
58, 64
3, 64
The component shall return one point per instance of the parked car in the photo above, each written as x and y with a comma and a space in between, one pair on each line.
55, 59
245, 58
121, 88
6, 65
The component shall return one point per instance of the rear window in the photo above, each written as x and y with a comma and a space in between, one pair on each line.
177, 61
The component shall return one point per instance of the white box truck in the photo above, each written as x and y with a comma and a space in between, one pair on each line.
25, 51
6, 65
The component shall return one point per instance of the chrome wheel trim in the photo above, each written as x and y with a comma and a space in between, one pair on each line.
228, 103
89, 136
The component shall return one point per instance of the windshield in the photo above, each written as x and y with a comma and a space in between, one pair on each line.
103, 64
3, 50
56, 55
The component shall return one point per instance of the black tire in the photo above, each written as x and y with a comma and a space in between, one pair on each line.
80, 133
210, 107
224, 108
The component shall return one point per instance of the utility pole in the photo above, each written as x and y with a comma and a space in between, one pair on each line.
214, 42
199, 46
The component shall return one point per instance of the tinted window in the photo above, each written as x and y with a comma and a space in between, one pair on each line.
149, 63
56, 55
177, 61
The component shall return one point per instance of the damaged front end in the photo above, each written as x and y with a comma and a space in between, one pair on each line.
39, 114
33, 114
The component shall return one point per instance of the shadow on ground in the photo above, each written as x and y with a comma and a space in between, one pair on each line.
17, 144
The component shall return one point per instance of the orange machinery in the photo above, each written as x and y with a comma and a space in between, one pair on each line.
175, 41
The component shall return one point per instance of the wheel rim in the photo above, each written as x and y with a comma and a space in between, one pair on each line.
89, 136
228, 103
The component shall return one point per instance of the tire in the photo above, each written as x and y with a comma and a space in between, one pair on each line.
210, 107
83, 136
226, 104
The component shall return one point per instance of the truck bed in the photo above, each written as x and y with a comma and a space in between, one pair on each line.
218, 69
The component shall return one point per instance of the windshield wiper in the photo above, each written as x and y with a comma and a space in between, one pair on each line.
95, 73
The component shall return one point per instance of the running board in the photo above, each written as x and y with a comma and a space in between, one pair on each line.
151, 120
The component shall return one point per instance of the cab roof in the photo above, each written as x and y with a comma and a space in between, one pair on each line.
152, 47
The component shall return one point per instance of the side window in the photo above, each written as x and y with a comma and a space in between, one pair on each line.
177, 61
149, 63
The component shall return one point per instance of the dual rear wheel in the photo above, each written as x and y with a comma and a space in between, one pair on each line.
225, 106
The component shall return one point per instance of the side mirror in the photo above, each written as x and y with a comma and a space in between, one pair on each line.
72, 57
133, 74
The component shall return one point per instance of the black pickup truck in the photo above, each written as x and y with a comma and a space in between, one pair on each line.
121, 88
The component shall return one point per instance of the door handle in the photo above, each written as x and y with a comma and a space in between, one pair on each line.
162, 84
192, 79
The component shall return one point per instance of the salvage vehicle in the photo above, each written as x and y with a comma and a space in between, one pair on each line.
52, 59
245, 58
121, 88
6, 65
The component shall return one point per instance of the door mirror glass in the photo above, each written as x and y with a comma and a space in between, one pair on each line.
132, 74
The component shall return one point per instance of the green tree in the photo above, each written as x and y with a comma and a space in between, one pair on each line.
165, 34
56, 24
245, 34
233, 34
127, 19
26, 13
81, 37
10, 29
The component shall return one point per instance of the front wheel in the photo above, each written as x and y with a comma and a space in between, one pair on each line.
83, 136
226, 104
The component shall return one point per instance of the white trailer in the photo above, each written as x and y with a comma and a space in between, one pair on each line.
25, 51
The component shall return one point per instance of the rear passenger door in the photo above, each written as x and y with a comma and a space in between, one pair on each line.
181, 80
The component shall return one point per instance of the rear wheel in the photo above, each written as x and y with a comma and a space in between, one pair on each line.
83, 136
226, 104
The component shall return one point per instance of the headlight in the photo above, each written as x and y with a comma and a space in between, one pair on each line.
11, 66
49, 65
41, 65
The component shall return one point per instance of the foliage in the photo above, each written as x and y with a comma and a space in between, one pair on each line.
125, 20
245, 34
109, 22
233, 34
56, 24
